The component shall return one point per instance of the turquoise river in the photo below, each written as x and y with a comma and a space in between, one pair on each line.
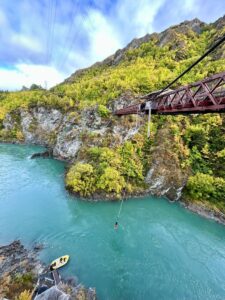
161, 250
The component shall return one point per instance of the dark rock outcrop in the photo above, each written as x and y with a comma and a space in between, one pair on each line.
17, 265
16, 258
45, 154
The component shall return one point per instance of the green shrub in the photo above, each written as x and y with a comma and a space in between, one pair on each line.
200, 186
111, 181
25, 295
196, 136
81, 179
132, 166
103, 111
206, 187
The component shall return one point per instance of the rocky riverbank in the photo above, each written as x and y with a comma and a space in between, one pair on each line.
205, 211
19, 269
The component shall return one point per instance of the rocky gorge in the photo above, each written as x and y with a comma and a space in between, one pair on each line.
110, 157
65, 135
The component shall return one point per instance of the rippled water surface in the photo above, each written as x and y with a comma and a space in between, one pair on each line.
161, 251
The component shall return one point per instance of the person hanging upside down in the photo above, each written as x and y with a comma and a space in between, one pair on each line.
116, 225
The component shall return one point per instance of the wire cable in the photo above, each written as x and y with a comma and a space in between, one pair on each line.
118, 215
52, 32
49, 13
74, 36
217, 44
68, 35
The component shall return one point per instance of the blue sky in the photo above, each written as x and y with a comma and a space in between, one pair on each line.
44, 41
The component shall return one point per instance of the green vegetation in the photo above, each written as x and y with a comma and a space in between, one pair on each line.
103, 111
21, 286
112, 171
25, 295
145, 69
204, 186
80, 179
201, 139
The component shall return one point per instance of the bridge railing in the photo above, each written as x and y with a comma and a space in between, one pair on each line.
207, 95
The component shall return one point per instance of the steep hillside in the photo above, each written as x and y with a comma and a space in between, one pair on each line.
149, 63
110, 156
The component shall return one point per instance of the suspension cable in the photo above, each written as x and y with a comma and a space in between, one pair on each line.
75, 8
118, 215
49, 17
211, 49
52, 29
68, 50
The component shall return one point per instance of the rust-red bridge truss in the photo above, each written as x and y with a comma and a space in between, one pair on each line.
205, 96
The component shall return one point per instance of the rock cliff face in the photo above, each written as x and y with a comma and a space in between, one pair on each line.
165, 177
47, 127
66, 134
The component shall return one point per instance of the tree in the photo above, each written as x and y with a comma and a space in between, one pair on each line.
81, 179
35, 87
111, 181
24, 88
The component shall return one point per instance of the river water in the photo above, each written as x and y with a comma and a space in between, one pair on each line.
161, 251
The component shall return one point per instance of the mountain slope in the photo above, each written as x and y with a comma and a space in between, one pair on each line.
149, 63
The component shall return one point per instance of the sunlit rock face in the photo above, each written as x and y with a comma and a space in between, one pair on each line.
39, 124
66, 146
66, 133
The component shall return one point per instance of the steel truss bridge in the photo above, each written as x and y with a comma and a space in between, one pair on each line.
204, 96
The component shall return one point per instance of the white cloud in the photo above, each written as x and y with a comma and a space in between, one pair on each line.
83, 33
27, 42
24, 74
138, 16
103, 36
190, 5
107, 33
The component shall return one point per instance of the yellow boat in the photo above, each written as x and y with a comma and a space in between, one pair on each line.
59, 262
